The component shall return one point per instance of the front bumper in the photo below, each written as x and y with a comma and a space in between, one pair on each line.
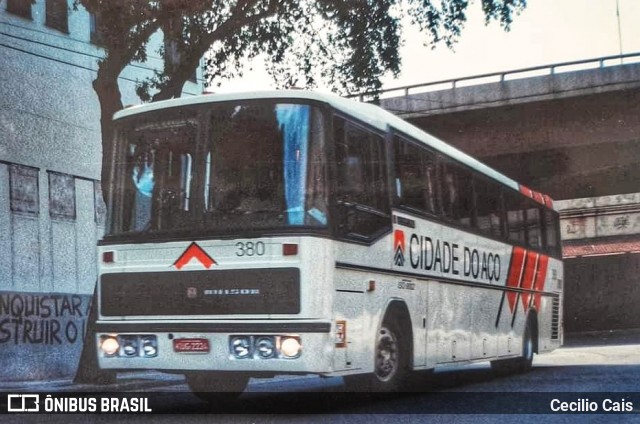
315, 357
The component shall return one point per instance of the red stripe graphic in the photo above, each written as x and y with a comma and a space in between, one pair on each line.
537, 196
515, 274
543, 199
526, 191
527, 279
541, 276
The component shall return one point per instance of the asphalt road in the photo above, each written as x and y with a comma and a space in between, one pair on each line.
595, 372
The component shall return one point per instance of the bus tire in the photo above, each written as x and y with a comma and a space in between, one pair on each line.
391, 361
525, 362
217, 387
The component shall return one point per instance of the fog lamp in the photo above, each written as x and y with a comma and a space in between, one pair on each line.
290, 347
109, 345
149, 346
241, 347
129, 345
266, 347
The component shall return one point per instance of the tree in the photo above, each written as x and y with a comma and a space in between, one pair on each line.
348, 45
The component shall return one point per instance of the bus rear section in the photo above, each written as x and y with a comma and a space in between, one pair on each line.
244, 305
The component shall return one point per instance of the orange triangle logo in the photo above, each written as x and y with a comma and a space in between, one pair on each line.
194, 251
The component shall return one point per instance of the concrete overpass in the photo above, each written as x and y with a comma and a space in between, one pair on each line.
548, 82
571, 130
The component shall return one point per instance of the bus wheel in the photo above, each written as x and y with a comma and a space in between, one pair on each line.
391, 361
522, 364
214, 387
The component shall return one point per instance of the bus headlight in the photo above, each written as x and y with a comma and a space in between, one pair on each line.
266, 347
241, 347
290, 347
109, 345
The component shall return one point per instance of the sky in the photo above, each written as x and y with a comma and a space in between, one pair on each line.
546, 32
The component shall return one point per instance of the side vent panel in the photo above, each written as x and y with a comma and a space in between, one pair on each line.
555, 317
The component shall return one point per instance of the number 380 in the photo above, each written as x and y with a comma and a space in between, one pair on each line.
250, 248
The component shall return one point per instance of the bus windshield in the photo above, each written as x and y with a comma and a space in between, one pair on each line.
230, 167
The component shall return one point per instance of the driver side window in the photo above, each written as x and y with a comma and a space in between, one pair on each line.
362, 189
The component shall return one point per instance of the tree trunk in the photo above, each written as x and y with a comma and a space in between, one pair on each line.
110, 102
88, 371
172, 90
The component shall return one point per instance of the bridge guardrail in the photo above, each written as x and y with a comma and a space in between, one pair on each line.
500, 76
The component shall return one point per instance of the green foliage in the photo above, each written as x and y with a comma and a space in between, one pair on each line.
346, 44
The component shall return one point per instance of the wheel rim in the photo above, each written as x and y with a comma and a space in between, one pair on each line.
387, 355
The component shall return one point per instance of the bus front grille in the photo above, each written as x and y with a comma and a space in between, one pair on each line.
189, 293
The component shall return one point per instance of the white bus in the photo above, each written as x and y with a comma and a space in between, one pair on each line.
289, 232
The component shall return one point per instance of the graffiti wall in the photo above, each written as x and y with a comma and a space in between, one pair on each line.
49, 224
41, 334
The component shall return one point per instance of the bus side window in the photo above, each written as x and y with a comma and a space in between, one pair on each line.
449, 193
361, 186
534, 233
431, 183
551, 232
515, 217
457, 194
415, 171
488, 207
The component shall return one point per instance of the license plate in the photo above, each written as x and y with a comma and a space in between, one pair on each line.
191, 345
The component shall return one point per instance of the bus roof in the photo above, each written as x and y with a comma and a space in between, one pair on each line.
372, 115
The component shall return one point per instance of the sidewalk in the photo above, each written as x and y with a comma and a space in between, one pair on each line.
599, 338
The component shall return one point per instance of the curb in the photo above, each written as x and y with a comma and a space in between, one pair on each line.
134, 381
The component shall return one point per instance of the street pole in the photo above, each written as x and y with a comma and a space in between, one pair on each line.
619, 31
